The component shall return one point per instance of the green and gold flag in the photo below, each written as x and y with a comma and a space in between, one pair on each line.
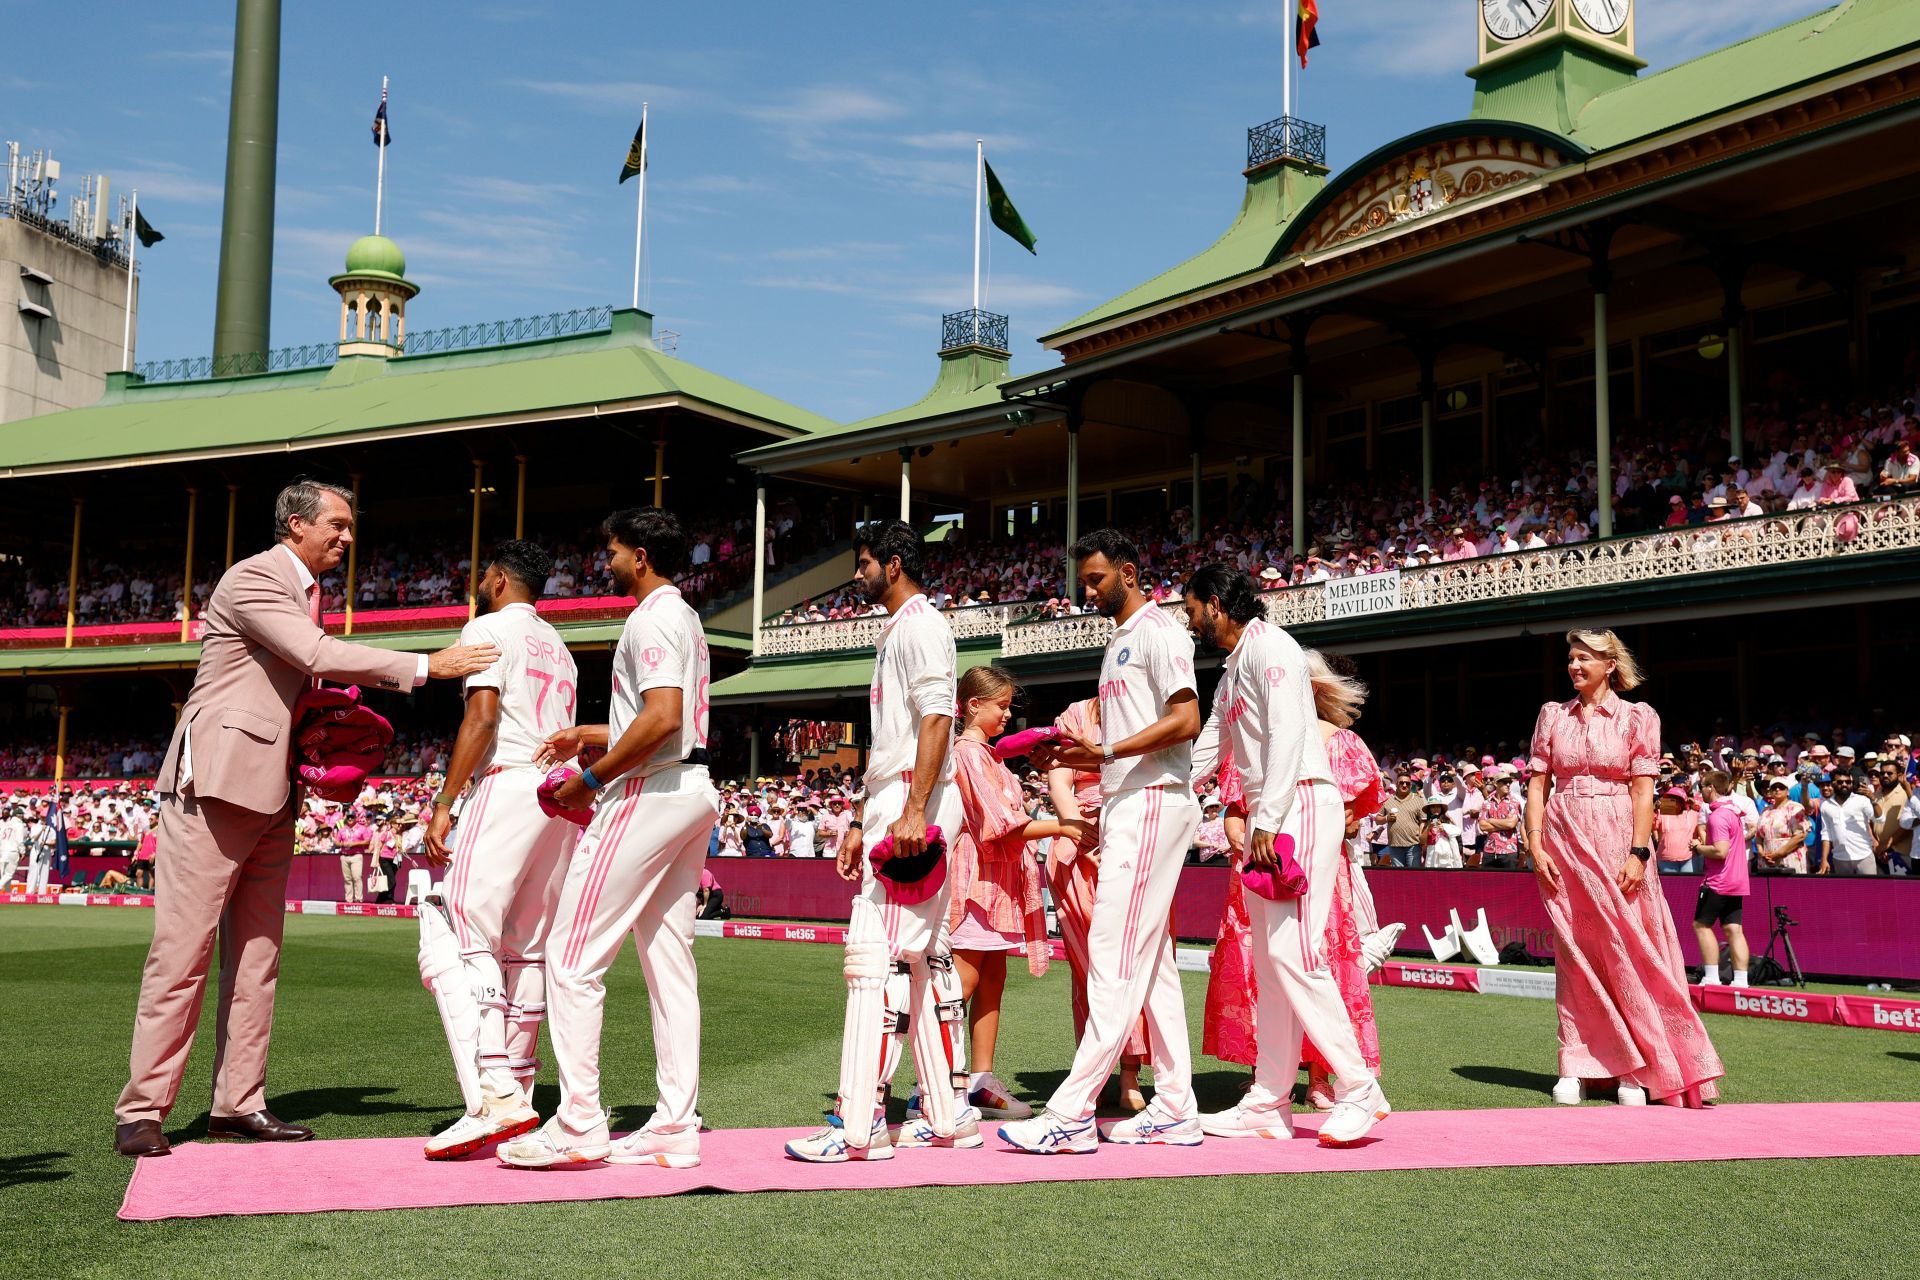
144, 229
1004, 215
636, 154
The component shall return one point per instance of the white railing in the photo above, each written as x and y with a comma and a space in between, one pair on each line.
1798, 537
970, 622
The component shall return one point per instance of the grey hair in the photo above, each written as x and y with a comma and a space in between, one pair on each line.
303, 498
1336, 698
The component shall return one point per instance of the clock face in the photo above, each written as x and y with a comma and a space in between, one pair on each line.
1511, 19
1604, 16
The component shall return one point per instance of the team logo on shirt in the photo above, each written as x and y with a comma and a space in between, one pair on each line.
1123, 657
1182, 665
652, 656
1275, 675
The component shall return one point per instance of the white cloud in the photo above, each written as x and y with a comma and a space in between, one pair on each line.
823, 105
170, 183
221, 55
621, 96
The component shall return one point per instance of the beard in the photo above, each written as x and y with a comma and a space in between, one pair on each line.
874, 592
622, 581
1209, 634
1109, 606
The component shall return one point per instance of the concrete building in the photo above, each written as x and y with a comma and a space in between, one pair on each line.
63, 309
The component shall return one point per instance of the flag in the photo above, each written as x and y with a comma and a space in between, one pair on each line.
1004, 215
144, 229
1308, 36
381, 135
636, 154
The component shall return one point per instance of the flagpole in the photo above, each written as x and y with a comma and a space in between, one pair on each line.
133, 243
380, 176
1289, 8
979, 198
640, 212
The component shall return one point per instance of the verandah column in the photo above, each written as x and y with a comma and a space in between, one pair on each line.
759, 560
186, 579
73, 569
473, 551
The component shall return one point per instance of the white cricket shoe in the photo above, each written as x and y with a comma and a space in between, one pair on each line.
995, 1100
553, 1145
1243, 1121
1377, 947
1050, 1135
461, 1138
918, 1132
830, 1145
1631, 1095
1570, 1091
667, 1150
1154, 1127
1351, 1121
502, 1116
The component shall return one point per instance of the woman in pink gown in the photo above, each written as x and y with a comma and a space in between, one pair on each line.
1073, 869
1620, 983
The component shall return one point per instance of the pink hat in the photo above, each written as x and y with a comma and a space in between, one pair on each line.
910, 881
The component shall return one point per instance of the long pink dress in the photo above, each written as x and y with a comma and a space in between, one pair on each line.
995, 882
1073, 878
1620, 982
1227, 1028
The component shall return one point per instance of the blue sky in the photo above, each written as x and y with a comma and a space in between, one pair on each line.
809, 196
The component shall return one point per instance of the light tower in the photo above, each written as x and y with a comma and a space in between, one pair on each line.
243, 303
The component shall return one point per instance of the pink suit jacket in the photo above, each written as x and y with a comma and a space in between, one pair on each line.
260, 650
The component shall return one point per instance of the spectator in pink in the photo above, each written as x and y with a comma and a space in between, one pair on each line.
1621, 987
353, 839
1723, 896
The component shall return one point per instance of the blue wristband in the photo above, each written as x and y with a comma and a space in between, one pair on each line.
586, 776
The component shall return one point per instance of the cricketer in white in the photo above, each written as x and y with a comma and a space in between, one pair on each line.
636, 867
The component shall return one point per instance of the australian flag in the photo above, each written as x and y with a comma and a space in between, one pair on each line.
380, 135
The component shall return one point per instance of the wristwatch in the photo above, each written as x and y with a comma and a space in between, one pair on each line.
1641, 852
1106, 752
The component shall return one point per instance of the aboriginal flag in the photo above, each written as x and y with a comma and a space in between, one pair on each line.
1308, 29
636, 154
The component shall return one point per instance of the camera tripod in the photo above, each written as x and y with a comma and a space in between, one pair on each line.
1782, 923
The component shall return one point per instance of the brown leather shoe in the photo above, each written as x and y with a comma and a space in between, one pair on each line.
261, 1126
141, 1138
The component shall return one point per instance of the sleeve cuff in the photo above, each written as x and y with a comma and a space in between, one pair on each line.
420, 672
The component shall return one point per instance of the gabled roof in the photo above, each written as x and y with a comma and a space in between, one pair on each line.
370, 397
1813, 48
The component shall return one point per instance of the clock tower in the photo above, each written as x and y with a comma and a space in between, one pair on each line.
1541, 61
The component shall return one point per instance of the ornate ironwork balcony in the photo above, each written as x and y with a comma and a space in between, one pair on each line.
974, 328
1287, 138
312, 356
1788, 538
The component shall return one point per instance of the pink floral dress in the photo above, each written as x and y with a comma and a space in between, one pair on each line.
996, 884
1620, 982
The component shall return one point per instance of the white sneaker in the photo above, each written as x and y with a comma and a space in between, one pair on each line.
1243, 1121
1349, 1122
1631, 1095
917, 1132
1377, 947
1050, 1135
830, 1145
461, 1138
668, 1150
1153, 1127
553, 1145
1569, 1091
995, 1100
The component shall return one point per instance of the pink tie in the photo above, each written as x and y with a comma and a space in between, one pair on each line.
313, 603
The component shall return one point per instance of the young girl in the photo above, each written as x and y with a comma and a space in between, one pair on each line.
1073, 871
995, 905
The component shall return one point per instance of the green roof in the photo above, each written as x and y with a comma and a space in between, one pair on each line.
369, 396
836, 676
1813, 48
1809, 49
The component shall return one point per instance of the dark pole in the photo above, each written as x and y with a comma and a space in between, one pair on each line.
243, 306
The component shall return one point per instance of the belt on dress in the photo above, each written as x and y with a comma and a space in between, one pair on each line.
1585, 784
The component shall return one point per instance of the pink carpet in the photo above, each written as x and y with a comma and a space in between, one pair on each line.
202, 1180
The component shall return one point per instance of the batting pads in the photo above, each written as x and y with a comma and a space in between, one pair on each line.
444, 974
886, 1000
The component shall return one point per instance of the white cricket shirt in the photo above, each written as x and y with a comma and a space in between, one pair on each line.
661, 647
1264, 707
913, 676
1148, 660
535, 677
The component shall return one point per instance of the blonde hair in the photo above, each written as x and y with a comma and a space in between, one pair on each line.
1626, 672
1336, 698
983, 681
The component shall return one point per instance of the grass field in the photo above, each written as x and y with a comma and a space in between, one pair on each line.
357, 1052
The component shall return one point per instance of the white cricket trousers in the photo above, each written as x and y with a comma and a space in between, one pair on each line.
39, 869
509, 860
633, 871
1297, 992
1144, 838
911, 930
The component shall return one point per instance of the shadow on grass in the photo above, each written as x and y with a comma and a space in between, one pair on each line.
1509, 1078
303, 1106
20, 1171
1214, 1090
1901, 1053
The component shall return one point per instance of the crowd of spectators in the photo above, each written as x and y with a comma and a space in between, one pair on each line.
798, 739
412, 753
1675, 477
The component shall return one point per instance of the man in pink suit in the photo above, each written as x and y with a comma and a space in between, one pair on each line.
227, 815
